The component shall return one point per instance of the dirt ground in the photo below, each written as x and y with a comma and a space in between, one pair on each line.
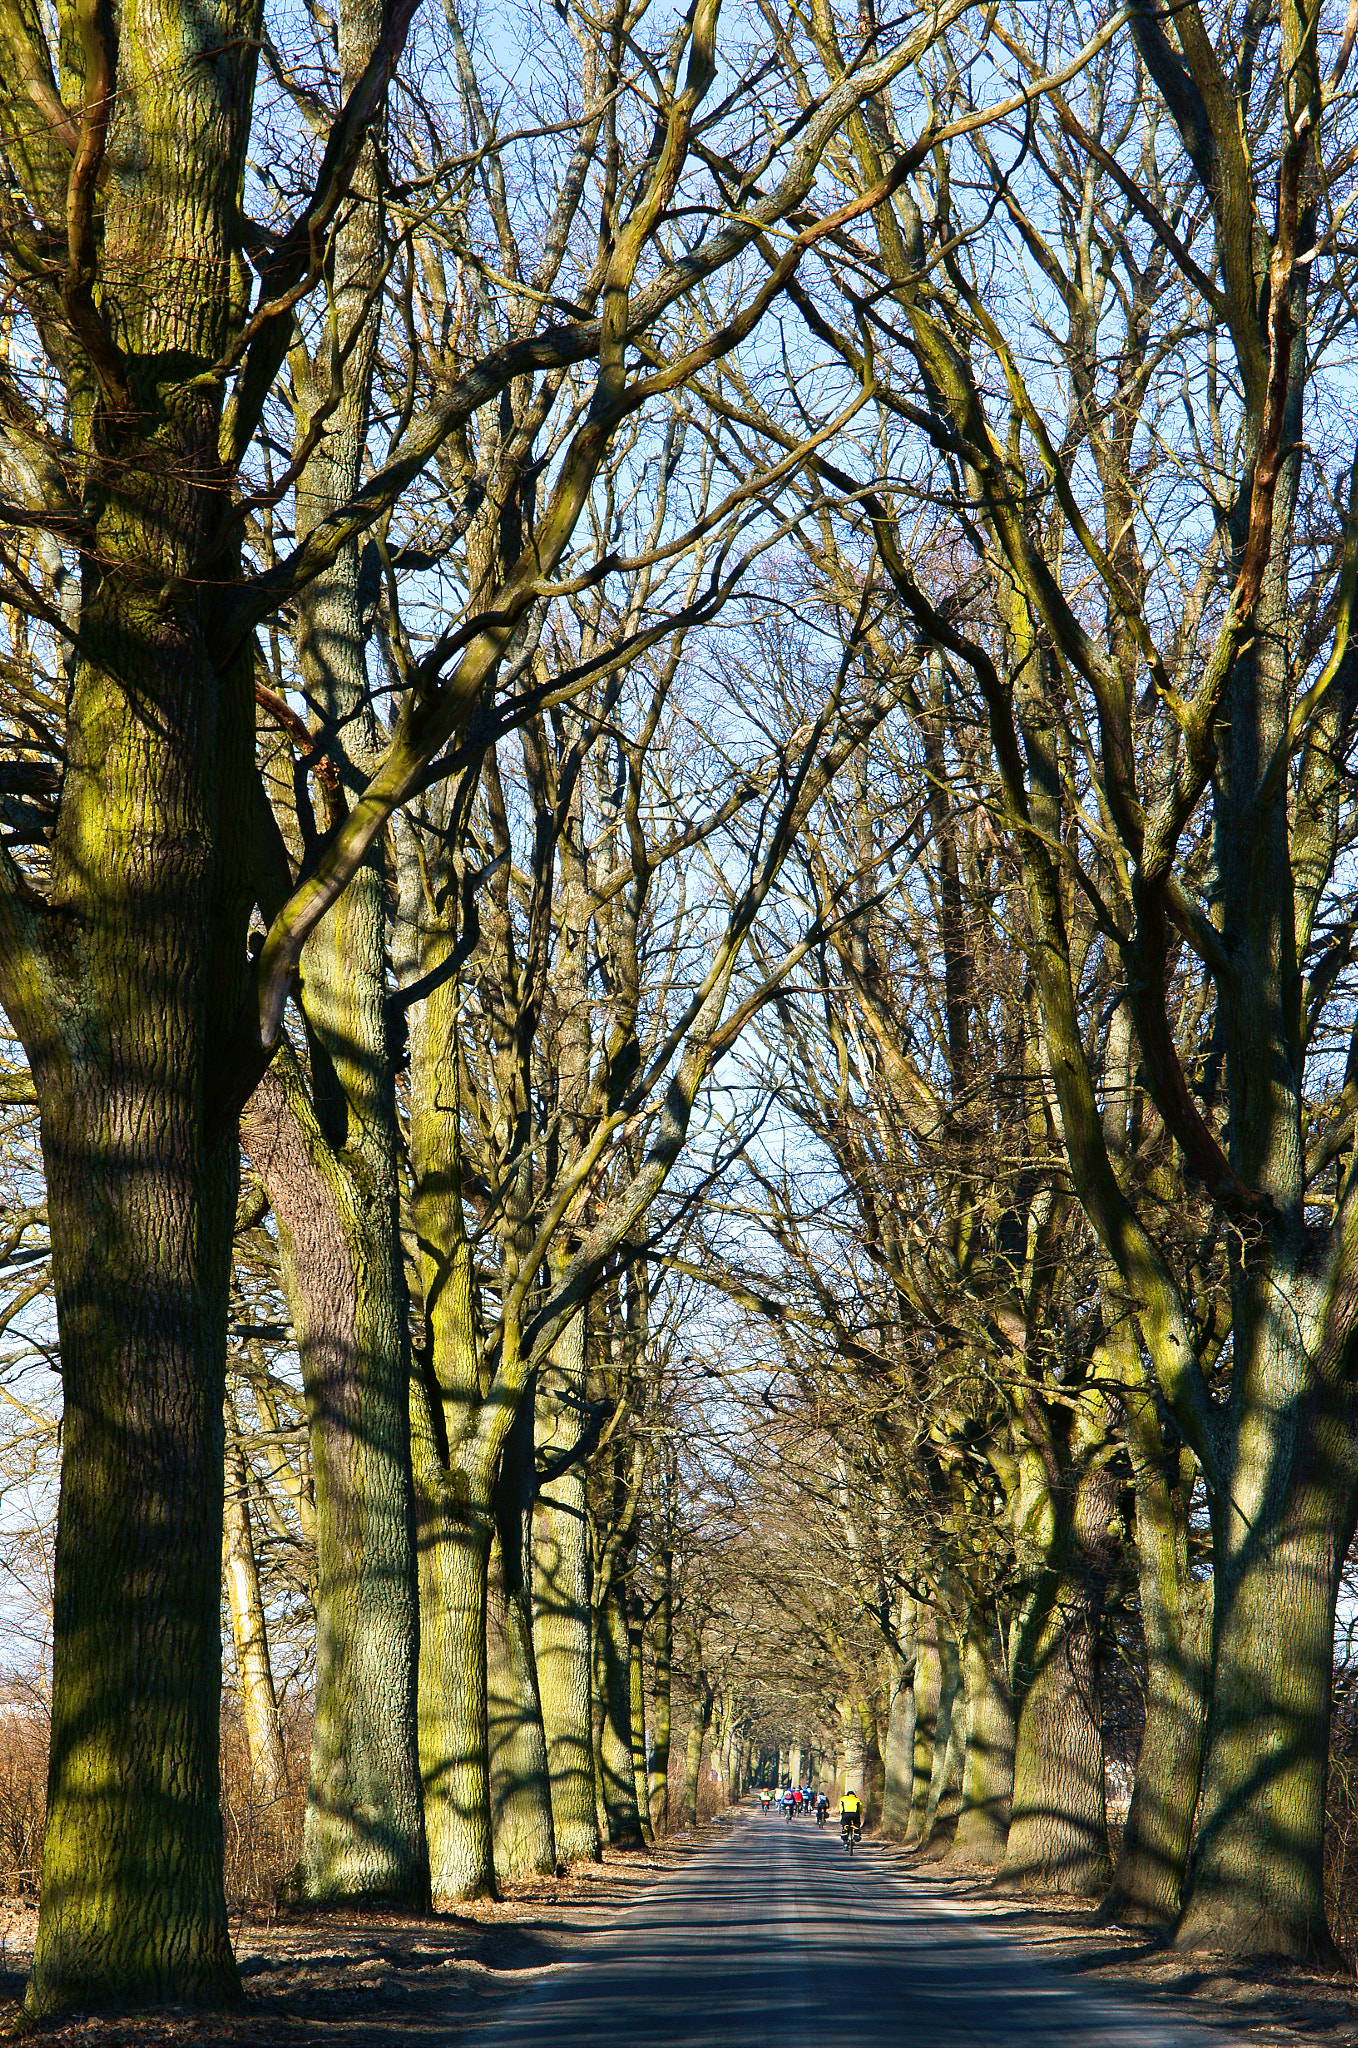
324, 1980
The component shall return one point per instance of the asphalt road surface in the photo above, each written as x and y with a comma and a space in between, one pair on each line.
774, 1936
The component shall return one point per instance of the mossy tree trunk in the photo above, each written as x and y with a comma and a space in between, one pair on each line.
898, 1758
637, 1712
123, 980
659, 1791
1058, 1830
363, 1833
614, 1668
699, 1721
561, 1598
945, 1767
928, 1683
520, 1792
988, 1768
1176, 1614
1256, 1880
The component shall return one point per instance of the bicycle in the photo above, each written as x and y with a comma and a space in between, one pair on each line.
851, 1831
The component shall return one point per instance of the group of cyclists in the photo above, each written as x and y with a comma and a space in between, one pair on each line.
796, 1800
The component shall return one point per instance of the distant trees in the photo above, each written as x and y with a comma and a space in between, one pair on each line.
460, 681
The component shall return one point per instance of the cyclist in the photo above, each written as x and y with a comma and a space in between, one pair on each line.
765, 1799
850, 1815
797, 1803
822, 1808
787, 1802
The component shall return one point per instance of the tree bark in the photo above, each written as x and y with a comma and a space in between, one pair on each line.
1176, 1618
898, 1761
660, 1709
928, 1682
561, 1601
520, 1793
699, 1722
617, 1781
133, 1910
254, 1672
940, 1808
988, 1769
637, 1715
456, 1525
363, 1835
1256, 1883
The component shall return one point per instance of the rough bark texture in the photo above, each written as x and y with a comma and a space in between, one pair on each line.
637, 1716
928, 1680
520, 1793
698, 1724
898, 1758
561, 1603
1257, 1876
660, 1734
988, 1770
616, 1779
363, 1836
945, 1768
123, 998
455, 1529
1176, 1616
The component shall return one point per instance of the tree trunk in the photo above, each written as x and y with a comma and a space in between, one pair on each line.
1058, 1834
940, 1808
133, 1910
660, 1709
988, 1770
928, 1681
363, 1836
520, 1793
561, 1601
855, 1753
898, 1760
456, 1525
699, 1722
616, 1779
1176, 1617
637, 1716
254, 1673
1256, 1883
124, 991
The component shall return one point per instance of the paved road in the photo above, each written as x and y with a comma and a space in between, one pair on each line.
773, 1936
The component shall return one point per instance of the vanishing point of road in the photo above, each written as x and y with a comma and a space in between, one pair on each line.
772, 1937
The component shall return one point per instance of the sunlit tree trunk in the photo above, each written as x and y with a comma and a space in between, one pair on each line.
1058, 1830
1176, 1619
940, 1807
254, 1672
617, 1780
124, 987
561, 1600
699, 1722
520, 1793
898, 1759
363, 1835
659, 1798
988, 1768
637, 1715
928, 1684
1257, 1875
